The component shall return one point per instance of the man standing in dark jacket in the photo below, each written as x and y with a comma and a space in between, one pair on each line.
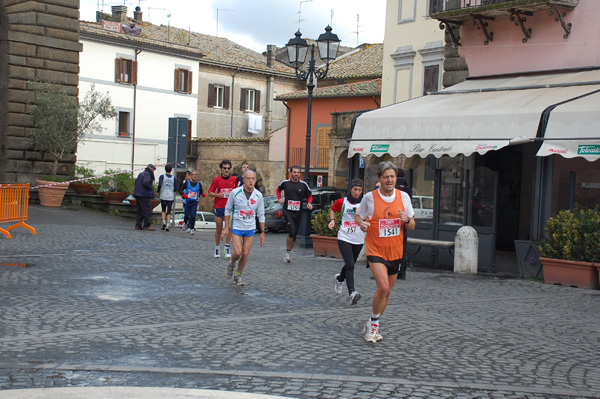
143, 193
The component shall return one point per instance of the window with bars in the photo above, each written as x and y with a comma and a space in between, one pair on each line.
183, 80
126, 71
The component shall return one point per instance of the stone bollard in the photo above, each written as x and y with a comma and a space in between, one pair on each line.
466, 247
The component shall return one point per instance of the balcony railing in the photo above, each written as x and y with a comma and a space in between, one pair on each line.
437, 6
320, 159
452, 13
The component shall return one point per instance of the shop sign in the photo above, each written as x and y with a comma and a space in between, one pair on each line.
380, 147
589, 149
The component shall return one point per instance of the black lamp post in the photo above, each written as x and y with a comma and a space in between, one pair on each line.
297, 48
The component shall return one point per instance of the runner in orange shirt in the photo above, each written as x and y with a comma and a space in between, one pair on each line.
382, 214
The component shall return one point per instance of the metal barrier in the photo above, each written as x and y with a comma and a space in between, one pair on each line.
14, 206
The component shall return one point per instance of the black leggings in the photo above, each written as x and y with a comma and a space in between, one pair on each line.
350, 253
292, 220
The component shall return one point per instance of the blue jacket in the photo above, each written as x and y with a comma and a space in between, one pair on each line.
144, 184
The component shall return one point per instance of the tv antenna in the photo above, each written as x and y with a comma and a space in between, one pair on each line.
220, 9
357, 31
300, 11
153, 8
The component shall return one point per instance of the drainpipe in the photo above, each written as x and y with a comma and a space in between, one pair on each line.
375, 101
269, 106
287, 140
137, 51
232, 97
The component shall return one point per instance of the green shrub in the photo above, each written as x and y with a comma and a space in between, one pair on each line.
320, 222
573, 235
120, 182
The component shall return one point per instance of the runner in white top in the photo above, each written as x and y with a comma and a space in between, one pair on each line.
350, 238
244, 204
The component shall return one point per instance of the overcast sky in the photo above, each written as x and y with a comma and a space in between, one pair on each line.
256, 23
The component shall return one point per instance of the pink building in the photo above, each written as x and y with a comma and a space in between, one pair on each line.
517, 141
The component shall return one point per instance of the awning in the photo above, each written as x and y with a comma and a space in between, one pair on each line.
477, 115
574, 129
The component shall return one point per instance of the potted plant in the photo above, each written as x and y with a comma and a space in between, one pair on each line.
59, 122
115, 186
325, 240
571, 247
86, 187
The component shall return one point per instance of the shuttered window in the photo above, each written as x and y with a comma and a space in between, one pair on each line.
125, 71
250, 100
183, 80
218, 96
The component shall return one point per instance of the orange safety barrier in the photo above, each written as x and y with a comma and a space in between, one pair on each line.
14, 206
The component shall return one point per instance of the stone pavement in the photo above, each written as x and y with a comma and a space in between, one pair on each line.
90, 303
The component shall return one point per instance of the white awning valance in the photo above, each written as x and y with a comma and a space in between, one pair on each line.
474, 116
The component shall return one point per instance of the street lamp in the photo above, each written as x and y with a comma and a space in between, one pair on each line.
297, 48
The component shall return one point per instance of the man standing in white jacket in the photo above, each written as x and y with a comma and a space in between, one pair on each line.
243, 205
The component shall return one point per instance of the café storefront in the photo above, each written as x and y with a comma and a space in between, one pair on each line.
501, 154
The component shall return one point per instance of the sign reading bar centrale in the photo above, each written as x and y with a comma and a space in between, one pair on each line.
589, 149
111, 26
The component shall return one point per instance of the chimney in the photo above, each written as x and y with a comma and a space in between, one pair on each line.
271, 49
119, 13
137, 14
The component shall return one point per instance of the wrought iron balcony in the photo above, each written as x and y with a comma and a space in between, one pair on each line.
452, 13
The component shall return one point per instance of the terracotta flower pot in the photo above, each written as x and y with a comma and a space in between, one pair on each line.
326, 246
53, 195
153, 202
570, 273
113, 197
82, 188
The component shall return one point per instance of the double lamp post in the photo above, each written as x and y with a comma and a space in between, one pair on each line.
297, 48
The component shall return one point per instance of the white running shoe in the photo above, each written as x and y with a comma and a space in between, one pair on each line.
184, 227
339, 285
217, 254
229, 270
227, 252
354, 297
191, 232
238, 280
372, 332
287, 258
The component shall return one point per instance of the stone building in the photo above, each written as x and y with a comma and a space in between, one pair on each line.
38, 40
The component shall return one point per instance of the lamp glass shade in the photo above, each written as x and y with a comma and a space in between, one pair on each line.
297, 49
328, 45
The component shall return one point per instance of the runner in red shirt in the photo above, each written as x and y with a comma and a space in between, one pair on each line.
219, 189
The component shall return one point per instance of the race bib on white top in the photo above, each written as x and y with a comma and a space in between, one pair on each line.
246, 214
293, 205
389, 227
350, 226
226, 192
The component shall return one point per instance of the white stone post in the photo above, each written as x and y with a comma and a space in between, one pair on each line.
466, 246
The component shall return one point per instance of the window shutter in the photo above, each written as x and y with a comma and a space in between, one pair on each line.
189, 129
189, 82
226, 98
243, 99
117, 70
134, 72
257, 101
211, 95
177, 73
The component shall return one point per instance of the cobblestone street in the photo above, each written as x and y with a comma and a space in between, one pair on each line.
91, 302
